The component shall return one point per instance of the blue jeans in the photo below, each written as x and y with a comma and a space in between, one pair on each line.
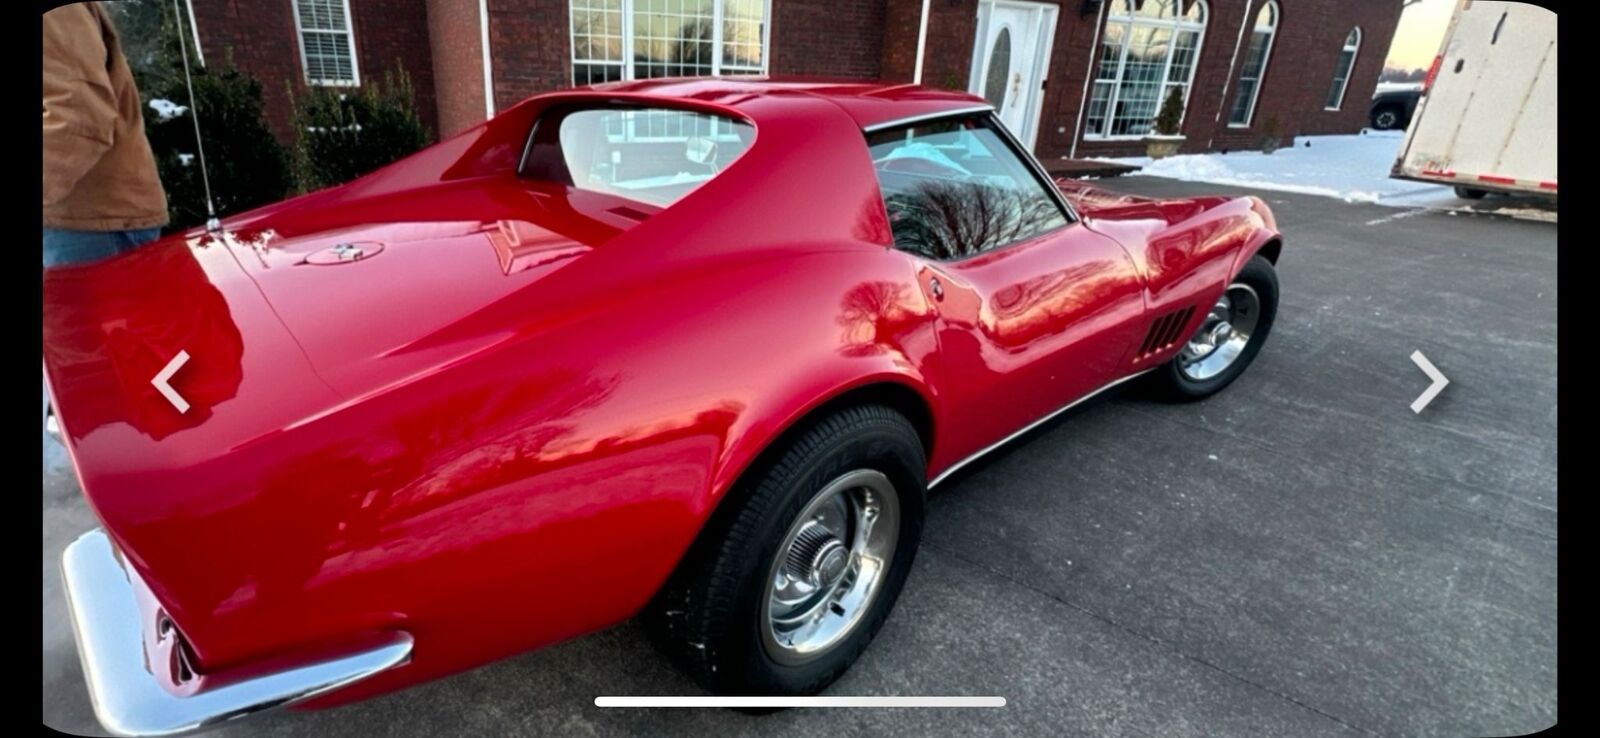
63, 247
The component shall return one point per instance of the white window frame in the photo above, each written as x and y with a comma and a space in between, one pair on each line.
1266, 59
628, 7
1355, 51
350, 38
1116, 14
720, 131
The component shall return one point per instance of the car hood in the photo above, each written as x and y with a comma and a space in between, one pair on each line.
1096, 203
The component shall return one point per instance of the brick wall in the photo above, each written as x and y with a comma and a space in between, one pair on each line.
1305, 50
455, 37
1377, 22
393, 35
1299, 71
900, 22
530, 44
827, 39
437, 42
1069, 76
258, 36
952, 28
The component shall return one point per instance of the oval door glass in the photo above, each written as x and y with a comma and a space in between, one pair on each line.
994, 85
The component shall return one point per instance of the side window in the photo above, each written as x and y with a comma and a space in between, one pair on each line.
953, 188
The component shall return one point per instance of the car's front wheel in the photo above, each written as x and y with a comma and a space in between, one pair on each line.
1228, 339
793, 576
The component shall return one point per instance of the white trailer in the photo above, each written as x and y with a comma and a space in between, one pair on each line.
1487, 118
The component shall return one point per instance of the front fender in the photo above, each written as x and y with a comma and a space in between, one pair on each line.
1263, 237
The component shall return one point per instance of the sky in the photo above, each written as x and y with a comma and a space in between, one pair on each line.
1421, 29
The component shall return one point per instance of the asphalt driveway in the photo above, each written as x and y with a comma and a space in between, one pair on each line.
1300, 555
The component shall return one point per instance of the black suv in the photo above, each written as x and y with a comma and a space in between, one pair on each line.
1392, 105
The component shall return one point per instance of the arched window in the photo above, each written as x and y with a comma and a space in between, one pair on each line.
1147, 50
1341, 71
1255, 66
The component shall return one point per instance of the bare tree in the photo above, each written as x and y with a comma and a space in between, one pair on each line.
951, 220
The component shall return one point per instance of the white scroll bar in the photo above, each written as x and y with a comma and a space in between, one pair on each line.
707, 701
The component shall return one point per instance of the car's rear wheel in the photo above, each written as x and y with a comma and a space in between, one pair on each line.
798, 569
1386, 118
1227, 340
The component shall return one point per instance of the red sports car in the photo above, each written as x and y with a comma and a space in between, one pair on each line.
693, 350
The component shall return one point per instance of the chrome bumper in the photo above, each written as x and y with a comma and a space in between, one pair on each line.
126, 696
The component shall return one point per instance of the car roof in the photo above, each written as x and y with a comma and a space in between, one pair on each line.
870, 104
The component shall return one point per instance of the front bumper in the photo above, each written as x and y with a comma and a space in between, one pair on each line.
127, 697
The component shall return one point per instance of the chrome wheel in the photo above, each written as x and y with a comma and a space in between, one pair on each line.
1223, 336
831, 564
1386, 120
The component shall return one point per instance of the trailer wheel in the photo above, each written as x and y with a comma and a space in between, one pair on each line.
1470, 193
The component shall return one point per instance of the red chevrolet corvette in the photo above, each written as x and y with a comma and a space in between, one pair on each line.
693, 350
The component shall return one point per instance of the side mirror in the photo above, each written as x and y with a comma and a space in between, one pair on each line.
701, 151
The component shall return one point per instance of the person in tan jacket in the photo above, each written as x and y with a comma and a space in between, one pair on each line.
102, 195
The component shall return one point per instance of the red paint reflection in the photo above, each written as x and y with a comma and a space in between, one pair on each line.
110, 327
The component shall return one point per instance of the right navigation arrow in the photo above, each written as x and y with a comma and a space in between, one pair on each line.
1433, 390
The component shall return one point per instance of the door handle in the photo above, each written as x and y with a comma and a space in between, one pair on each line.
936, 288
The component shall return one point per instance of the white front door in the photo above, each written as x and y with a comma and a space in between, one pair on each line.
1010, 61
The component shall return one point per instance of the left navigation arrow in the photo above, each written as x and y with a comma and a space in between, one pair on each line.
163, 377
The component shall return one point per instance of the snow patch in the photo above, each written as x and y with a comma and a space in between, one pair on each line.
167, 109
1526, 214
1353, 168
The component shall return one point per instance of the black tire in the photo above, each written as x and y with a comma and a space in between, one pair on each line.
1470, 193
709, 617
1388, 117
1171, 383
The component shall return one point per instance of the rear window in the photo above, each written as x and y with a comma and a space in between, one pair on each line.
650, 155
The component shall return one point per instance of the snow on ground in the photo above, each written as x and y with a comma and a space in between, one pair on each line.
1353, 168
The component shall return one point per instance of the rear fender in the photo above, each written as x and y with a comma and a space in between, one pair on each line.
749, 444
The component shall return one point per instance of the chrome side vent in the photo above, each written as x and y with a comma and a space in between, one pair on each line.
1165, 332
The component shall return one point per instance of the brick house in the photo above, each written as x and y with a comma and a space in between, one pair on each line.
1073, 78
